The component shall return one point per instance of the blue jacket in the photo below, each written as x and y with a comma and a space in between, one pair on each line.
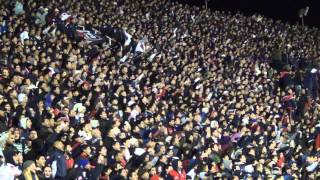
3, 28
59, 167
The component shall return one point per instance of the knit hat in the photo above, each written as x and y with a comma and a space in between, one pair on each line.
27, 164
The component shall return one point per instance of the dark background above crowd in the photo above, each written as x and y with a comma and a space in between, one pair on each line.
285, 10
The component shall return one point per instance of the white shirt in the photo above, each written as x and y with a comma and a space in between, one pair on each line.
9, 172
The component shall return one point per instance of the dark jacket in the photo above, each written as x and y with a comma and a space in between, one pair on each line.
59, 167
82, 173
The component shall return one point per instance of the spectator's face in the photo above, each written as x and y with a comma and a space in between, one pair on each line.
145, 176
5, 73
243, 159
76, 93
47, 172
40, 104
41, 162
117, 123
87, 150
60, 146
153, 171
17, 134
134, 176
46, 122
124, 173
103, 151
164, 159
11, 138
7, 106
18, 158
65, 111
33, 135
17, 79
103, 115
163, 149
116, 146
87, 128
56, 90
29, 124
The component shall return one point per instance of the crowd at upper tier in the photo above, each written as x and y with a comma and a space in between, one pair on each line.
154, 89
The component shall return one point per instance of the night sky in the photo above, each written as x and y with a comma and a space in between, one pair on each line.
285, 10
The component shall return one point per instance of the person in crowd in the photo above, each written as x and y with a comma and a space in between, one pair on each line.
155, 89
47, 174
59, 169
29, 170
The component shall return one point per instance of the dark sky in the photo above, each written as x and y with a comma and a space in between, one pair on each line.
286, 10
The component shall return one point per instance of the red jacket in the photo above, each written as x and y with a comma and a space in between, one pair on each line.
155, 177
281, 161
70, 163
317, 143
178, 176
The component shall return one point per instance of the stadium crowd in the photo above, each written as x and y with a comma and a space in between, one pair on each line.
154, 89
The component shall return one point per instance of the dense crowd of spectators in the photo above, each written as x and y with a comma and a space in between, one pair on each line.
153, 89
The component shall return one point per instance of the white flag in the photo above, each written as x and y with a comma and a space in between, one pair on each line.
128, 38
24, 35
64, 16
152, 57
141, 46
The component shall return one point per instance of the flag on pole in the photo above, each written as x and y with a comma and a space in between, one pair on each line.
141, 45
